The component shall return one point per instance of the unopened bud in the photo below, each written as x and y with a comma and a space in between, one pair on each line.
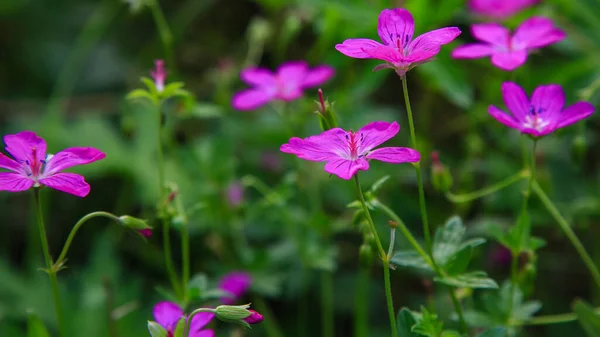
365, 255
145, 232
441, 179
134, 223
236, 314
393, 224
254, 318
327, 118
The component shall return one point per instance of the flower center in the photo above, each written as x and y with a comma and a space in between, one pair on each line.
34, 168
354, 141
534, 120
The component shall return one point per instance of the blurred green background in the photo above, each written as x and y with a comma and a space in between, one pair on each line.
66, 67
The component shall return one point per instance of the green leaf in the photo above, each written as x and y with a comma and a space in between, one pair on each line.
197, 286
588, 318
447, 240
156, 330
35, 327
150, 85
179, 328
140, 94
459, 262
410, 259
377, 185
521, 232
429, 325
206, 110
449, 79
405, 320
494, 332
475, 279
451, 333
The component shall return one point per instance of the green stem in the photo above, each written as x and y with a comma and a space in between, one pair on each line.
186, 327
164, 31
361, 309
270, 323
417, 166
63, 254
390, 252
564, 225
383, 256
185, 256
553, 319
50, 270
460, 198
458, 307
327, 317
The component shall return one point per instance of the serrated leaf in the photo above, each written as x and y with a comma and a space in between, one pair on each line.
156, 330
447, 240
410, 259
475, 280
35, 327
405, 320
494, 332
429, 325
588, 318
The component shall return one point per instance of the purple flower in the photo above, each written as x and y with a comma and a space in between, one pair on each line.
346, 152
236, 283
147, 232
254, 318
509, 52
33, 167
167, 314
235, 194
499, 9
396, 28
286, 85
543, 114
159, 74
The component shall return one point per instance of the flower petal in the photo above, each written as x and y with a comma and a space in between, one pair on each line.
346, 169
536, 32
357, 48
516, 100
376, 133
202, 333
258, 76
548, 100
509, 60
21, 146
67, 182
328, 145
396, 27
574, 113
235, 283
503, 117
385, 53
499, 9
71, 157
14, 182
252, 99
472, 51
493, 33
430, 42
395, 155
317, 76
167, 314
293, 71
8, 163
200, 320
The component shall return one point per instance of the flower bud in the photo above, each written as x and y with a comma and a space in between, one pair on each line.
441, 179
145, 232
365, 255
236, 314
135, 223
254, 318
327, 118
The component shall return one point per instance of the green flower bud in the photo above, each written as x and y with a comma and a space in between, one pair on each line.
365, 255
327, 118
235, 314
134, 223
441, 179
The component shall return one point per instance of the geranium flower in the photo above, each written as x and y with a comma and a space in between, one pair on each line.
509, 52
236, 284
168, 314
543, 114
499, 9
159, 75
287, 84
396, 27
346, 152
33, 167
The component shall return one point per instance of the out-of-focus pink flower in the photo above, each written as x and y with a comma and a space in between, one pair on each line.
236, 284
167, 314
543, 114
159, 74
254, 318
499, 9
147, 232
509, 52
399, 51
346, 152
287, 84
33, 167
235, 194
270, 161
500, 256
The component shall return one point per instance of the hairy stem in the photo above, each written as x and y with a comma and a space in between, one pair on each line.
460, 198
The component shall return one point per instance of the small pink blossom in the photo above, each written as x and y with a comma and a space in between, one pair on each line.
168, 314
509, 52
543, 114
346, 152
147, 232
33, 167
159, 74
254, 318
287, 84
401, 53
235, 194
236, 284
499, 9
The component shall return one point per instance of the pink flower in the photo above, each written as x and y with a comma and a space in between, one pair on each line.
147, 232
235, 194
543, 114
254, 318
236, 283
286, 85
167, 314
346, 152
509, 52
395, 28
32, 167
159, 74
499, 9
